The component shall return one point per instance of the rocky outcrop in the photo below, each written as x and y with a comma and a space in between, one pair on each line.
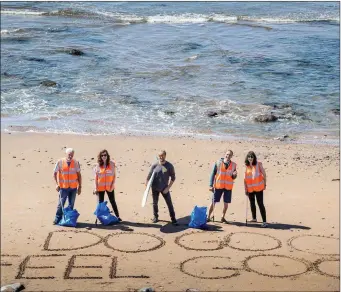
266, 118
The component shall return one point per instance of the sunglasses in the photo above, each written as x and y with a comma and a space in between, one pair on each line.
250, 157
104, 155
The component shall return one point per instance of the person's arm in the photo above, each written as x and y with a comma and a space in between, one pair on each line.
172, 179
95, 181
234, 173
262, 170
79, 177
214, 172
113, 167
55, 172
150, 173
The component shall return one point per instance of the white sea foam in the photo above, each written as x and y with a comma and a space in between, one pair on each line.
22, 12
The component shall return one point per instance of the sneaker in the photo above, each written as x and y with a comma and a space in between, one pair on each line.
264, 225
223, 220
155, 220
253, 220
119, 219
174, 222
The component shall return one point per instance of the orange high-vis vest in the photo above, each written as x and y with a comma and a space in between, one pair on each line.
105, 177
254, 179
68, 177
223, 177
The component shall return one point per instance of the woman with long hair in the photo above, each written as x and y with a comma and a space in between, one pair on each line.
255, 184
105, 176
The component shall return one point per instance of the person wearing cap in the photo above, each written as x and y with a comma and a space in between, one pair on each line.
221, 183
68, 183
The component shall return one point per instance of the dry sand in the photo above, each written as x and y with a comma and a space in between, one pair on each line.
298, 252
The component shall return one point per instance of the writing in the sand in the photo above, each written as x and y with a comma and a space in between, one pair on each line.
104, 265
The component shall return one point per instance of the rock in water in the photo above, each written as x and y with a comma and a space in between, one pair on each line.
266, 118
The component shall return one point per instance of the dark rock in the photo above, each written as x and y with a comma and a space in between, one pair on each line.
75, 52
16, 287
212, 114
192, 290
266, 118
170, 113
48, 83
336, 111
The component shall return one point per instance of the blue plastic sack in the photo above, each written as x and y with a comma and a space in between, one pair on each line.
103, 214
70, 217
198, 217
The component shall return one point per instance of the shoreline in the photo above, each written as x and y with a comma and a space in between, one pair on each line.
284, 139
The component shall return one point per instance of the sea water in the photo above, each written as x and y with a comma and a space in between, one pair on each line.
204, 69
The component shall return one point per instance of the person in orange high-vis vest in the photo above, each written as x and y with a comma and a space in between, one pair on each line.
221, 183
105, 175
255, 184
68, 182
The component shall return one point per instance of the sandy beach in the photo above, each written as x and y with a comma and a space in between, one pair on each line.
299, 251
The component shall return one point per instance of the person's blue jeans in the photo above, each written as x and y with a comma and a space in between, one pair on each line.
69, 194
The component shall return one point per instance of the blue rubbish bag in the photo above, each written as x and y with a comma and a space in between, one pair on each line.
69, 218
103, 214
198, 217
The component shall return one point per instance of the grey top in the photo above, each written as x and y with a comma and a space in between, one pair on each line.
162, 175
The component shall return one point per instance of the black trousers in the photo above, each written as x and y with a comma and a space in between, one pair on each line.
168, 200
259, 197
111, 196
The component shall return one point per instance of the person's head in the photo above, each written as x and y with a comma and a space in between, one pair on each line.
251, 158
162, 156
69, 153
228, 155
103, 157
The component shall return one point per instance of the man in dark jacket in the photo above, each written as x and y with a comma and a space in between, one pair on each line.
163, 180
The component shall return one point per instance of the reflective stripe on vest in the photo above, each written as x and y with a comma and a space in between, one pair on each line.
254, 179
223, 178
68, 177
105, 177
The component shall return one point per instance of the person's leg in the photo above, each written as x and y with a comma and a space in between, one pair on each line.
169, 203
155, 195
253, 205
72, 193
59, 213
227, 201
111, 196
259, 196
101, 197
216, 199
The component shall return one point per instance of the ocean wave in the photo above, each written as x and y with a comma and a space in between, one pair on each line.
23, 12
185, 18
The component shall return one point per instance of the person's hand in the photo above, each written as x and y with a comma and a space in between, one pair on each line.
166, 190
95, 192
79, 190
57, 188
210, 189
